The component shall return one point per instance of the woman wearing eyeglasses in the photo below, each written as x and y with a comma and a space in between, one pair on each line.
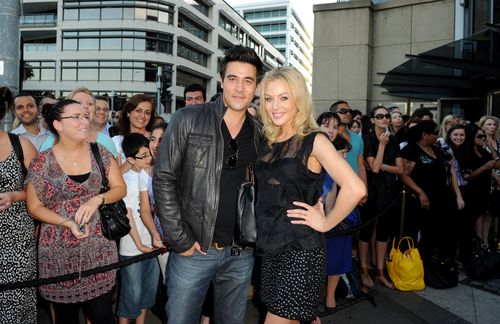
381, 152
85, 98
290, 221
427, 175
479, 163
62, 191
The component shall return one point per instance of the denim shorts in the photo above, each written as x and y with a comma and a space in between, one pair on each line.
138, 285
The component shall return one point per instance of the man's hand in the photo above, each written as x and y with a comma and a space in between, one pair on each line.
190, 252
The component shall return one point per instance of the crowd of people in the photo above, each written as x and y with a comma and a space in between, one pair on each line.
180, 186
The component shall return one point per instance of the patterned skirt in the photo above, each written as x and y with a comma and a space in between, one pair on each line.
292, 283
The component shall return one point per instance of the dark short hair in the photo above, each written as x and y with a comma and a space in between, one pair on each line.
374, 109
355, 113
161, 125
195, 87
340, 143
102, 98
333, 107
24, 94
241, 54
326, 116
132, 143
421, 112
422, 127
55, 112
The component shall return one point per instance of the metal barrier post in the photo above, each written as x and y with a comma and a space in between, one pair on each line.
403, 210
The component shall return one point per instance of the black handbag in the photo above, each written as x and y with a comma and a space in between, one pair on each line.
483, 263
246, 231
114, 221
440, 272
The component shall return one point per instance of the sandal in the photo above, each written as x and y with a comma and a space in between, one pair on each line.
365, 278
380, 277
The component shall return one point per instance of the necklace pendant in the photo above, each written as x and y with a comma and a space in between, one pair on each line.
74, 164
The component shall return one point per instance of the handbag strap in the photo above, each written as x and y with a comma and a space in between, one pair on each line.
408, 239
97, 156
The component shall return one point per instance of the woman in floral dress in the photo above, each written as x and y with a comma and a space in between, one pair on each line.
63, 186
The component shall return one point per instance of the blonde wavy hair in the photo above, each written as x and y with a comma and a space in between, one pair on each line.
81, 89
304, 122
483, 120
446, 120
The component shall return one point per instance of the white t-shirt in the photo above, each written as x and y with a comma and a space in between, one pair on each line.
118, 140
135, 185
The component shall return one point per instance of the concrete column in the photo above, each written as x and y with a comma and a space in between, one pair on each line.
9, 51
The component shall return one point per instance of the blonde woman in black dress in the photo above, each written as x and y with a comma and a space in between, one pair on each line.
290, 221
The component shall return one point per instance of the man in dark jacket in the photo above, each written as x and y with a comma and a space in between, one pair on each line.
201, 162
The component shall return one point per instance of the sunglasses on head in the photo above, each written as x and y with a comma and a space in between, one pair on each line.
233, 159
344, 111
382, 116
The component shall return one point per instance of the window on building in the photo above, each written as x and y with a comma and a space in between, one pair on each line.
260, 14
191, 54
228, 25
118, 40
199, 5
185, 78
192, 27
270, 26
112, 71
276, 40
154, 10
39, 70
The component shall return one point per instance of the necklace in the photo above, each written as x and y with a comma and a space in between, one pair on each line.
75, 164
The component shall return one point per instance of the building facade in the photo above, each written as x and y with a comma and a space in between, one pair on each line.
280, 24
122, 47
407, 54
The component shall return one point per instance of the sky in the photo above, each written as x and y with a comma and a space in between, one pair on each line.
302, 7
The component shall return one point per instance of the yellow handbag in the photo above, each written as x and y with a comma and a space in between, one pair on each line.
406, 269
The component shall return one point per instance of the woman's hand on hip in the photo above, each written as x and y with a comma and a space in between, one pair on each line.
312, 216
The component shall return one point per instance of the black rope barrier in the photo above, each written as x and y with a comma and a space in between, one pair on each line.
141, 257
85, 273
362, 225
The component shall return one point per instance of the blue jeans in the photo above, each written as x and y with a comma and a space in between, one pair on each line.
139, 282
188, 279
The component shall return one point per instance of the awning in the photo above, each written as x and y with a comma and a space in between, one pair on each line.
469, 68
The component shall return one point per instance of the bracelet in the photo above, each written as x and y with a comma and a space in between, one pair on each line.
102, 198
384, 167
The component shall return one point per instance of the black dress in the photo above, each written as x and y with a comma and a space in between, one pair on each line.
294, 260
383, 188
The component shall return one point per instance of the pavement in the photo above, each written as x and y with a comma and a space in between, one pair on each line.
469, 302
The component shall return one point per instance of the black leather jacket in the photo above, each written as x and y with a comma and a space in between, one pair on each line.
187, 175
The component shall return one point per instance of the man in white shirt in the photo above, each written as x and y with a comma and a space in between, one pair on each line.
27, 112
100, 120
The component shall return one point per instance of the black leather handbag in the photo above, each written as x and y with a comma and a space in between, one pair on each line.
114, 221
484, 263
246, 231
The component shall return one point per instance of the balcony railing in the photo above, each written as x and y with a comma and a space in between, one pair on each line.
39, 20
41, 47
